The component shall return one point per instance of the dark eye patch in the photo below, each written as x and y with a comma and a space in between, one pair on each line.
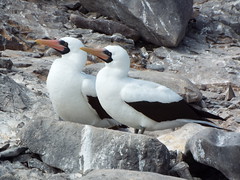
66, 49
109, 55
64, 43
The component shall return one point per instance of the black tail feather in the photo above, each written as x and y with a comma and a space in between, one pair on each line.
205, 114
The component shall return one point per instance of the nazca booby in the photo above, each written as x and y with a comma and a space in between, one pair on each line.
71, 91
138, 103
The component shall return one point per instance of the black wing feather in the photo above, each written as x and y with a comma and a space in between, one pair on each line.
94, 102
168, 111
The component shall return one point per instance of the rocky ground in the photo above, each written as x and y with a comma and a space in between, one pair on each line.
35, 145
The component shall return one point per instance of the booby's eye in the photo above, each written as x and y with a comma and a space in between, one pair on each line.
66, 48
64, 43
109, 54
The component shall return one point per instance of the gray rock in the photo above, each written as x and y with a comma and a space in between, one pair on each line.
35, 163
33, 23
12, 95
16, 171
218, 149
102, 40
108, 27
159, 22
155, 67
198, 62
229, 94
12, 152
175, 82
119, 174
6, 63
8, 177
83, 148
11, 43
182, 170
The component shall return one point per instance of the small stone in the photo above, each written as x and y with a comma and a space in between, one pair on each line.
155, 67
35, 163
182, 170
12, 152
6, 63
237, 120
73, 6
229, 94
144, 53
20, 125
3, 148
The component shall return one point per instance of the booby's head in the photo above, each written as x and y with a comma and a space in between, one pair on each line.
64, 45
114, 56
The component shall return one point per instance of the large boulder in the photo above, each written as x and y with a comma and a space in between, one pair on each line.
159, 22
218, 149
74, 147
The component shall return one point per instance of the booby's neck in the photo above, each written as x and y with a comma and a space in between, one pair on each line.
116, 72
74, 60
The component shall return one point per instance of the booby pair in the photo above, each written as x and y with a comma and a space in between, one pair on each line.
138, 103
71, 91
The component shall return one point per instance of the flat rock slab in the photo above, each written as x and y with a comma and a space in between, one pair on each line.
73, 147
218, 149
119, 174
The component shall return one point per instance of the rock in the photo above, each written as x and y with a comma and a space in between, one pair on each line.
102, 40
182, 170
6, 63
73, 6
12, 152
155, 67
119, 174
35, 163
229, 93
4, 147
176, 140
12, 95
105, 26
17, 171
33, 23
8, 177
193, 62
218, 149
83, 148
10, 43
175, 82
158, 22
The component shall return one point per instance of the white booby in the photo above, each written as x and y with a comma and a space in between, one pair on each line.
71, 91
138, 103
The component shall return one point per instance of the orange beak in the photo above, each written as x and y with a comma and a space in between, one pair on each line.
99, 52
51, 43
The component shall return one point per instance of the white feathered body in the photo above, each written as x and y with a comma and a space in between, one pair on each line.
127, 89
64, 84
